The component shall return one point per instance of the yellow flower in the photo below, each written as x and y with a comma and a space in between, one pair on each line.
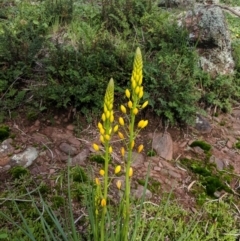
130, 173
123, 109
127, 92
97, 181
117, 169
140, 148
135, 111
102, 139
102, 131
145, 123
107, 137
118, 184
107, 114
111, 118
120, 134
100, 126
144, 104
122, 151
140, 123
110, 149
132, 144
103, 117
137, 90
140, 94
121, 121
115, 129
103, 202
95, 147
102, 172
133, 83
130, 104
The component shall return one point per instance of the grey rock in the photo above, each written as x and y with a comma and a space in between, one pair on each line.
163, 145
175, 3
81, 158
68, 149
138, 193
209, 32
220, 164
25, 158
202, 125
6, 148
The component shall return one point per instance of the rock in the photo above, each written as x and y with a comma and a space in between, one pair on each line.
138, 193
208, 31
202, 125
68, 149
6, 148
80, 159
137, 159
25, 158
163, 145
70, 127
220, 164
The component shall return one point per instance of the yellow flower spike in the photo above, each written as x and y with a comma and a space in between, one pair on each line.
107, 137
123, 109
121, 121
127, 92
140, 148
101, 172
97, 181
135, 111
140, 124
132, 144
119, 184
122, 151
100, 126
96, 147
144, 104
108, 99
130, 173
102, 139
115, 129
117, 169
110, 149
130, 104
103, 202
120, 134
103, 117
133, 83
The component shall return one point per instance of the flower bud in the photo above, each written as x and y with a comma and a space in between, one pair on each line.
130, 173
137, 90
127, 92
132, 144
107, 114
123, 109
145, 123
110, 149
121, 121
140, 123
111, 118
135, 111
130, 104
102, 139
144, 104
107, 137
122, 151
117, 169
140, 148
97, 181
102, 131
100, 126
102, 172
95, 147
120, 134
115, 129
119, 184
140, 94
103, 202
103, 117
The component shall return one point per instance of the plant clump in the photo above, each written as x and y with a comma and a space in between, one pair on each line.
4, 132
202, 144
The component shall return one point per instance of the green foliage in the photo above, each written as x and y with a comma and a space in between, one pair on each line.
4, 132
19, 171
202, 144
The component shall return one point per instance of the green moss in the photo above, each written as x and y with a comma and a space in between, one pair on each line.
202, 144
237, 145
57, 201
79, 174
4, 132
97, 158
18, 171
151, 153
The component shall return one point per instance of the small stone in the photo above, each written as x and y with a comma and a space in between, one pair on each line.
174, 174
219, 163
68, 149
70, 127
81, 158
157, 168
52, 171
202, 125
138, 193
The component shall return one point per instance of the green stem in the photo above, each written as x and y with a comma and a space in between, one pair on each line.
105, 193
127, 188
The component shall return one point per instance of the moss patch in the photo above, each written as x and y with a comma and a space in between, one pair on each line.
202, 144
4, 132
